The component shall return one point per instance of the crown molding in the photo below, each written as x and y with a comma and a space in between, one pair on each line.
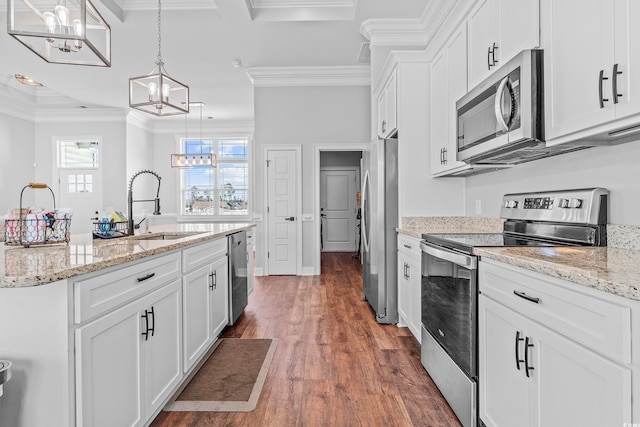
79, 115
18, 102
410, 32
359, 75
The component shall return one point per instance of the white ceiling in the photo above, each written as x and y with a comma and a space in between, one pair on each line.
200, 39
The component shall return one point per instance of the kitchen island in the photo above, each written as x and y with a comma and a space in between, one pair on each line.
101, 327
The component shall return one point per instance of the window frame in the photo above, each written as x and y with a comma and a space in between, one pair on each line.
216, 137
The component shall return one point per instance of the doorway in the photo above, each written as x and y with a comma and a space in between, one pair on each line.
336, 217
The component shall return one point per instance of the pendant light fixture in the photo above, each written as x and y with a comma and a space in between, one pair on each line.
194, 160
157, 93
61, 31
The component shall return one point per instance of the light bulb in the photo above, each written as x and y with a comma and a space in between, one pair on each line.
153, 91
77, 27
63, 15
165, 92
50, 22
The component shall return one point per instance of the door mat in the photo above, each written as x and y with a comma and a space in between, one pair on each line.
230, 380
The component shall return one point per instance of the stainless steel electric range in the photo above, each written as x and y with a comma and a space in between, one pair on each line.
450, 280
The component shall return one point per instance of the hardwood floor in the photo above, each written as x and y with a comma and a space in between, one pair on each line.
334, 365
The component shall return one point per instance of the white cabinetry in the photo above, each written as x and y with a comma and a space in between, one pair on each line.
592, 49
498, 30
409, 284
387, 108
205, 290
448, 84
128, 360
550, 355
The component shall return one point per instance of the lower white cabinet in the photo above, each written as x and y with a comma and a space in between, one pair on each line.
128, 361
409, 284
205, 308
532, 375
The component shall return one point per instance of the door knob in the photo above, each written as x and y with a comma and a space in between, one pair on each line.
291, 218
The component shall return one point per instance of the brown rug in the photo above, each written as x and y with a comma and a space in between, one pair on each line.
230, 380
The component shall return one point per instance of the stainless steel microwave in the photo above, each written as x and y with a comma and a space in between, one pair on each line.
501, 121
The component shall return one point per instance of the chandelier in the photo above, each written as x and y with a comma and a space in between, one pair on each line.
193, 160
61, 31
157, 93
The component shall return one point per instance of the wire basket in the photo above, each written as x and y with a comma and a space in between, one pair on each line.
109, 230
43, 228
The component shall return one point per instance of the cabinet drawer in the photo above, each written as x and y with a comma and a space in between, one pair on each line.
194, 257
409, 246
599, 324
99, 294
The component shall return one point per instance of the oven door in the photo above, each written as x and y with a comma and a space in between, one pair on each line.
449, 303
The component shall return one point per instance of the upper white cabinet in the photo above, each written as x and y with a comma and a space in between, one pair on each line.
448, 84
387, 108
498, 30
592, 79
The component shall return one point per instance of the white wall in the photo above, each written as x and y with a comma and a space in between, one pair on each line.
306, 116
615, 168
112, 132
16, 162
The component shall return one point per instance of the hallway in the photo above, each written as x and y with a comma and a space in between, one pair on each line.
334, 365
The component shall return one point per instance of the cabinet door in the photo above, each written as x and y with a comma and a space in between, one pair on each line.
484, 34
448, 84
219, 294
162, 361
415, 298
108, 369
578, 43
505, 392
391, 102
196, 303
627, 57
577, 386
404, 292
519, 27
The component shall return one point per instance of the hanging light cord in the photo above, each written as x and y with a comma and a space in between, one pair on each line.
159, 62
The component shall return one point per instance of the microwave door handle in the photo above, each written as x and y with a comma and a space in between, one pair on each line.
502, 124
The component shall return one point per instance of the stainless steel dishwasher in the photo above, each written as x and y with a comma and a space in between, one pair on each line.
238, 293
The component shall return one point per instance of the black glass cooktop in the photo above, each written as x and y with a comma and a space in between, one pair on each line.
467, 241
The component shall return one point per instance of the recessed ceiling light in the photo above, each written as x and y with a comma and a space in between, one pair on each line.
27, 80
236, 63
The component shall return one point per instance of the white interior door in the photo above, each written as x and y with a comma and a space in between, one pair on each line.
338, 210
80, 190
281, 211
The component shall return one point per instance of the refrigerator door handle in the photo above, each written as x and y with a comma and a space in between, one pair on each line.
365, 186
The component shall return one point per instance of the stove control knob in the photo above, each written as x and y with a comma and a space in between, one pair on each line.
562, 203
575, 203
511, 204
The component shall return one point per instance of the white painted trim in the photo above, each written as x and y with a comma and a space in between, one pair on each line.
308, 271
358, 75
393, 59
298, 150
317, 148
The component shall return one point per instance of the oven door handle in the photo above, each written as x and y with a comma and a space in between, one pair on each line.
466, 261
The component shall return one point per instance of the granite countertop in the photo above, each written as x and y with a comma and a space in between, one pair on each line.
39, 265
612, 270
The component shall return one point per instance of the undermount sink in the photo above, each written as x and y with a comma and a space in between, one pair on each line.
165, 236
5, 373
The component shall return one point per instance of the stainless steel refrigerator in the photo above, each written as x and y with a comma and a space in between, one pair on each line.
379, 223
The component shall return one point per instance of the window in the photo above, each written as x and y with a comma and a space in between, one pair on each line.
222, 191
77, 154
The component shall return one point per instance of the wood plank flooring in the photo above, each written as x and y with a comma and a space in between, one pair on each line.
334, 365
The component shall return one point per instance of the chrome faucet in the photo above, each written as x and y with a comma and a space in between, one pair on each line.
156, 211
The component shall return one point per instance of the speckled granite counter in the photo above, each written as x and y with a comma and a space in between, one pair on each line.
416, 226
612, 270
39, 265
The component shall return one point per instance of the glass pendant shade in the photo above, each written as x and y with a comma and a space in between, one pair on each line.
158, 94
61, 31
193, 160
